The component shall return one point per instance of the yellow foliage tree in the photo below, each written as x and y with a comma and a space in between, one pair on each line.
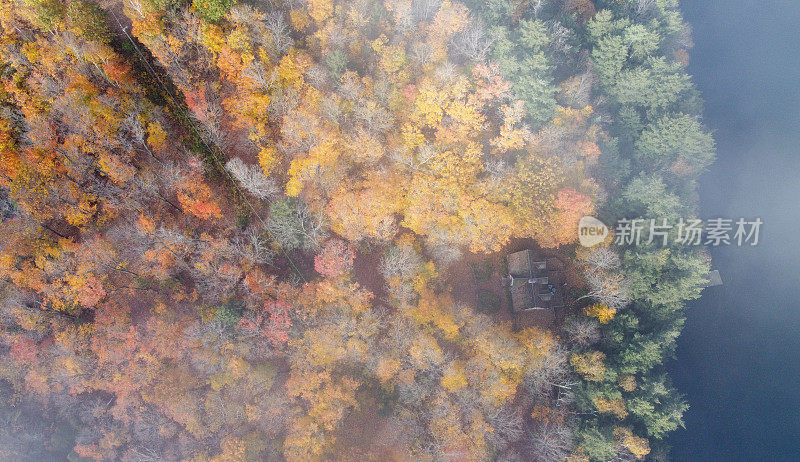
590, 365
601, 312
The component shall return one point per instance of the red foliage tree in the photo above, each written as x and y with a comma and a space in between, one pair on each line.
335, 259
571, 205
195, 198
24, 351
273, 325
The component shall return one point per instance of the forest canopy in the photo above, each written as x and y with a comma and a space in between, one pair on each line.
275, 230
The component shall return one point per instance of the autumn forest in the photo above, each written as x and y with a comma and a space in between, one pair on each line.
277, 229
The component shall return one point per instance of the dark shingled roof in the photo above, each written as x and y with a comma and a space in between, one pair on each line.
532, 285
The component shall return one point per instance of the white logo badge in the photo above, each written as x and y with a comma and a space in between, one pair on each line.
591, 231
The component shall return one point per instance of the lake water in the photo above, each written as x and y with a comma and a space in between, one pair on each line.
739, 355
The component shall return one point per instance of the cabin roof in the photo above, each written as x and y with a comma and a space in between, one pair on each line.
532, 283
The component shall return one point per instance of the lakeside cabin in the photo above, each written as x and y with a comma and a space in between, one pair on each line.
533, 284
713, 279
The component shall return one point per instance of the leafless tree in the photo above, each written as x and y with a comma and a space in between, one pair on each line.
318, 77
508, 425
142, 453
685, 39
579, 89
606, 282
447, 73
312, 225
560, 42
300, 228
279, 32
210, 118
250, 246
582, 331
193, 59
441, 250
551, 371
609, 288
337, 38
173, 174
257, 73
425, 154
413, 160
75, 44
624, 455
174, 242
425, 10
602, 258
536, 6
641, 8
511, 455
295, 4
421, 53
283, 102
252, 179
374, 118
48, 86
137, 6
404, 21
498, 171
148, 440
472, 43
350, 87
551, 442
299, 132
401, 263
384, 88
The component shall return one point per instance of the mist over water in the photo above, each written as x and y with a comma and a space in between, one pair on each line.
739, 355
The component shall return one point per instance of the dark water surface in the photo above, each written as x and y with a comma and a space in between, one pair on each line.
739, 355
